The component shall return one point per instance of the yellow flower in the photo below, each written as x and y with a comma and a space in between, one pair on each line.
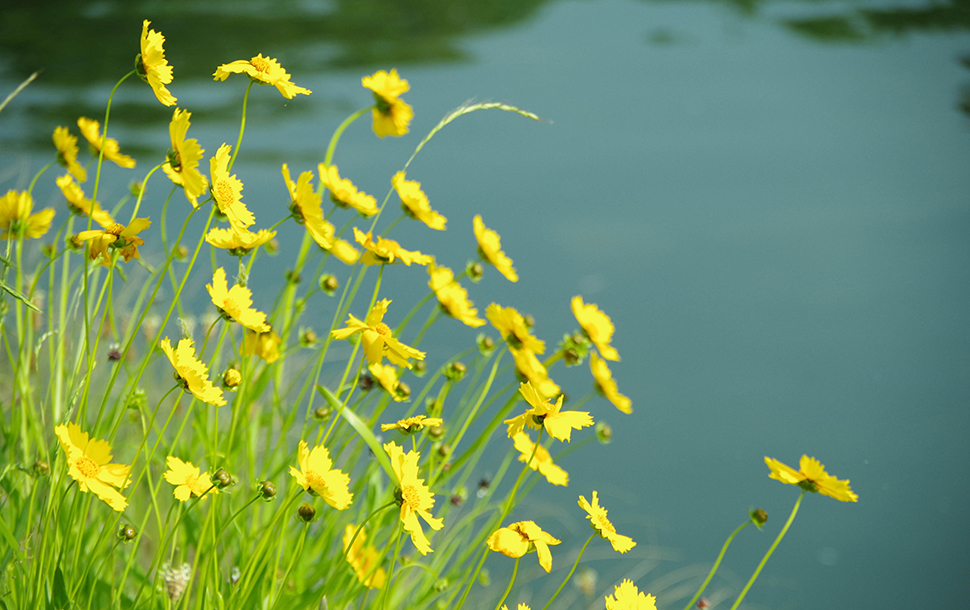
599, 521
391, 115
453, 296
16, 219
607, 385
559, 424
236, 303
344, 193
519, 607
238, 243
490, 248
114, 236
67, 150
316, 473
81, 204
363, 559
811, 476
265, 345
522, 537
542, 461
377, 338
188, 480
529, 367
227, 191
153, 68
191, 374
415, 203
511, 325
597, 326
412, 424
387, 377
413, 495
89, 463
388, 251
263, 70
628, 597
183, 160
306, 206
91, 130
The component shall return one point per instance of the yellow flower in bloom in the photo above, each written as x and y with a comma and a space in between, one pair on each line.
263, 70
236, 303
811, 476
238, 243
490, 248
541, 414
628, 597
453, 296
67, 149
89, 463
114, 236
529, 367
377, 339
413, 495
316, 473
415, 203
265, 345
192, 375
391, 115
91, 130
16, 219
344, 193
188, 480
363, 559
597, 326
227, 191
511, 325
599, 521
81, 204
184, 158
388, 251
153, 68
519, 538
387, 377
542, 461
412, 424
607, 385
306, 207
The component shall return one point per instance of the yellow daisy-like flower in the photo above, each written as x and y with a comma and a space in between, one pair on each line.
238, 243
184, 158
388, 251
67, 150
607, 385
391, 115
599, 521
414, 497
490, 249
453, 296
89, 463
541, 414
387, 377
377, 339
16, 219
265, 345
811, 476
188, 480
344, 193
153, 68
91, 130
306, 207
541, 461
520, 538
415, 203
264, 71
236, 303
192, 375
511, 324
628, 597
529, 367
316, 473
81, 204
363, 558
596, 325
115, 236
227, 191
412, 424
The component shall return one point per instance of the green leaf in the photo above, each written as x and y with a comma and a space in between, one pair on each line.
361, 429
15, 294
59, 599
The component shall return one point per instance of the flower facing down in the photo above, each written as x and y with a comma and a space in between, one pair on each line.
344, 193
377, 338
452, 296
238, 243
412, 424
541, 461
607, 385
67, 149
520, 538
80, 204
89, 463
388, 251
317, 475
387, 377
490, 249
236, 303
191, 374
415, 203
265, 345
16, 220
511, 325
363, 558
542, 414
188, 480
628, 597
306, 207
391, 114
414, 497
811, 476
263, 70
91, 130
599, 522
597, 326
152, 66
184, 158
115, 236
227, 191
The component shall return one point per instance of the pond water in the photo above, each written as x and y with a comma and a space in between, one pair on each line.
770, 199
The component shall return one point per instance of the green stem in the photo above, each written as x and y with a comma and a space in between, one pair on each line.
570, 575
515, 570
717, 562
242, 127
340, 129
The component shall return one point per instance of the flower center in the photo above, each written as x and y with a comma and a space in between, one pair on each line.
88, 467
410, 496
115, 229
315, 481
260, 64
604, 524
383, 329
229, 305
224, 192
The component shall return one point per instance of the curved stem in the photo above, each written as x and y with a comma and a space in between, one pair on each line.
104, 135
337, 133
717, 562
515, 570
570, 575
242, 127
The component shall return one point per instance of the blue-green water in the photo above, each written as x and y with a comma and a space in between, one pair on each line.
770, 200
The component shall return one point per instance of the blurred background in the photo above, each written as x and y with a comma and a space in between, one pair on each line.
770, 199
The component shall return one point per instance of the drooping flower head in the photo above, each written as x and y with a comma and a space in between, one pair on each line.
306, 207
184, 158
79, 204
387, 251
414, 497
238, 243
391, 114
522, 537
811, 476
265, 345
541, 460
114, 237
601, 523
409, 425
188, 480
191, 373
628, 597
415, 203
607, 385
541, 414
377, 338
529, 368
227, 191
89, 463
597, 326
152, 66
386, 375
263, 71
490, 249
16, 219
511, 324
91, 130
452, 296
344, 193
363, 558
316, 473
66, 144
236, 303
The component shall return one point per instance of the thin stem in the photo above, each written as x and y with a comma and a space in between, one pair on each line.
717, 562
515, 570
242, 127
570, 575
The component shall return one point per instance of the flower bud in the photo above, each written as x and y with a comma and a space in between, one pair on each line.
231, 378
137, 400
437, 432
475, 271
604, 433
127, 533
272, 247
293, 277
329, 283
403, 390
529, 320
703, 604
221, 479
444, 450
486, 345
759, 516
571, 357
484, 577
366, 382
267, 490
308, 337
181, 253
321, 413
419, 368
454, 371
41, 468
135, 188
306, 513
